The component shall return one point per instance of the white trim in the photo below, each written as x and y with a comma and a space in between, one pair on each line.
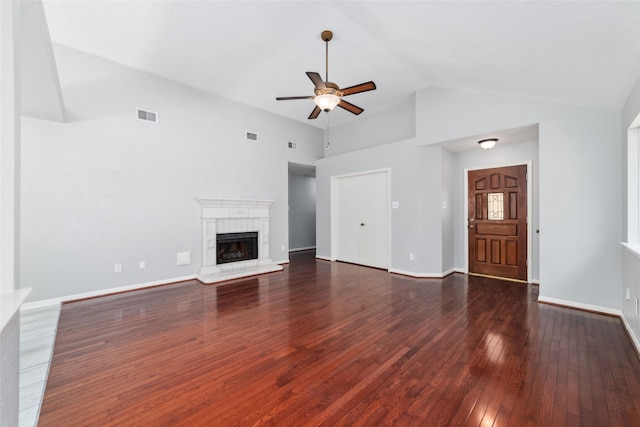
103, 292
34, 305
283, 261
535, 281
367, 172
448, 272
465, 212
10, 303
306, 248
632, 335
633, 248
334, 211
581, 306
422, 275
324, 258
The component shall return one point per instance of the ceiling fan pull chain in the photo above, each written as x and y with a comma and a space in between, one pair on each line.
328, 133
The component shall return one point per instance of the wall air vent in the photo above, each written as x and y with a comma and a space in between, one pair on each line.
292, 145
251, 136
147, 116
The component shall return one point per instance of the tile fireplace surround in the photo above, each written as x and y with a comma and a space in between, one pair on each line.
234, 216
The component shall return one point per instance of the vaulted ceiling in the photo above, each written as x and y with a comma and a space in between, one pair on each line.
582, 53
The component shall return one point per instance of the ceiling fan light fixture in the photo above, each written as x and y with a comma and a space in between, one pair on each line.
327, 101
488, 143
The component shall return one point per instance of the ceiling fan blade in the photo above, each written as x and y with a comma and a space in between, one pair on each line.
316, 79
362, 87
350, 107
287, 98
315, 113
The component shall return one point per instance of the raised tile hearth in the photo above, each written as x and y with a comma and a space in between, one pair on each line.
224, 216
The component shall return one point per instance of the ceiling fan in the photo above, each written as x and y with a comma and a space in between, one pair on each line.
328, 94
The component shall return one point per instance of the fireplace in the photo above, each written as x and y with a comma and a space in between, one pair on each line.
235, 239
234, 247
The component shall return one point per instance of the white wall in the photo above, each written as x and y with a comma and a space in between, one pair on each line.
105, 188
394, 124
10, 371
10, 297
448, 209
579, 159
416, 226
579, 176
302, 211
500, 155
631, 254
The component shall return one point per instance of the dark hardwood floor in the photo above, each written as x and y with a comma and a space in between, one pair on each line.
337, 344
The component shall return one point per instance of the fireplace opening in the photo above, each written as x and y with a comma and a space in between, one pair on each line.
234, 247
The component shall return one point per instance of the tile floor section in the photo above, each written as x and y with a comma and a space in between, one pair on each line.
37, 335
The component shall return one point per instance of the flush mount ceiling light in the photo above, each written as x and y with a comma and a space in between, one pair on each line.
488, 143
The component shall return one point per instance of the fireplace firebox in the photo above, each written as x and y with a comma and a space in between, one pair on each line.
235, 247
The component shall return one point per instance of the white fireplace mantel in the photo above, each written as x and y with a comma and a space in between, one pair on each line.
224, 215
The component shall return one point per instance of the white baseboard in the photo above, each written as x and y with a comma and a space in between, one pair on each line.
632, 335
306, 248
581, 306
421, 275
323, 258
102, 292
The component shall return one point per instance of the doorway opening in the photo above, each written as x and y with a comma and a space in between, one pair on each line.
302, 207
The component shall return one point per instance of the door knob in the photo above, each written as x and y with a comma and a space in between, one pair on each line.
362, 224
471, 226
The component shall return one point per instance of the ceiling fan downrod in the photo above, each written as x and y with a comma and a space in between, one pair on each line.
326, 37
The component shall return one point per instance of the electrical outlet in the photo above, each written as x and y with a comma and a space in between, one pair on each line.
411, 257
117, 268
395, 205
628, 296
282, 247
141, 265
183, 258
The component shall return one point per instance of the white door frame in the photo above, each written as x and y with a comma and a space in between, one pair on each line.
465, 212
334, 210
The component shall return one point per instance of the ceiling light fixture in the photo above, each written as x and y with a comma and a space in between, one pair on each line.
326, 102
488, 143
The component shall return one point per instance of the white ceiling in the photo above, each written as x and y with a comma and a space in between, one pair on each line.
582, 53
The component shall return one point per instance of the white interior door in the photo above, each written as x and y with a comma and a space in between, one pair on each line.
374, 207
362, 219
348, 216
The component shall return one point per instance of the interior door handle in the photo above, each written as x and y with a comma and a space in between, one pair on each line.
471, 226
362, 224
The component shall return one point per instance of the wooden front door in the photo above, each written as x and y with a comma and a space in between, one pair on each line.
497, 222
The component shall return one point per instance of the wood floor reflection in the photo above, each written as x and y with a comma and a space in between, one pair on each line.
337, 344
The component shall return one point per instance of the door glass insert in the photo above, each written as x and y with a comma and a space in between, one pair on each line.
495, 206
